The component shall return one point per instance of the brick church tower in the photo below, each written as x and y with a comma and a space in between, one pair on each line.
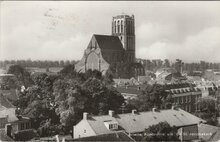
123, 26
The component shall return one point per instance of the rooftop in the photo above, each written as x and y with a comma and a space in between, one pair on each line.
108, 42
136, 122
5, 103
117, 136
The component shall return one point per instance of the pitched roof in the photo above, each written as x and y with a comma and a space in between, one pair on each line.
128, 90
10, 113
117, 136
4, 137
5, 103
108, 42
10, 95
207, 132
132, 123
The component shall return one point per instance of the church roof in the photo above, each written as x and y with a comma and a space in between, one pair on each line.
108, 42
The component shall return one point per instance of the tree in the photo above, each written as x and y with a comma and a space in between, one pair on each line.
152, 96
166, 63
209, 110
91, 94
161, 132
21, 74
38, 103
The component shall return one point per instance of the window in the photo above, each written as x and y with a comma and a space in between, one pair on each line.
84, 131
121, 26
177, 100
22, 126
118, 27
2, 122
115, 27
27, 125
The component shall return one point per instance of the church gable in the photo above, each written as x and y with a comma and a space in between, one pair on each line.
93, 44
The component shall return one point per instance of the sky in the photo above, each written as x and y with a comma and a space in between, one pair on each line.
61, 30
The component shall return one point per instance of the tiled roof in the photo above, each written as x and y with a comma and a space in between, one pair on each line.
117, 136
5, 103
109, 42
215, 137
128, 90
132, 123
11, 94
10, 113
206, 132
4, 137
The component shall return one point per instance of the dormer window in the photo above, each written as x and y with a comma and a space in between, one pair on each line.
111, 125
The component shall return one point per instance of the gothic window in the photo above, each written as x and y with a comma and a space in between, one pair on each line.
132, 28
118, 26
115, 26
127, 42
121, 26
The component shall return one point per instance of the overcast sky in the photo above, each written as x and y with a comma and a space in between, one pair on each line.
56, 30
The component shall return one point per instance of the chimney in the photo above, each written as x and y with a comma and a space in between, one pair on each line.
85, 116
111, 113
155, 109
134, 111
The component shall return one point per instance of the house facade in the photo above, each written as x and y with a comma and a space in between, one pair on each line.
10, 122
135, 123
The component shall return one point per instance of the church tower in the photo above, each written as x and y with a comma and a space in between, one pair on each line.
123, 26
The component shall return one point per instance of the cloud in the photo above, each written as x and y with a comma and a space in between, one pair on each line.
201, 46
62, 30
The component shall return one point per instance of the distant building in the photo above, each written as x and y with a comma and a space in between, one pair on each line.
168, 75
9, 120
186, 98
114, 52
135, 123
130, 92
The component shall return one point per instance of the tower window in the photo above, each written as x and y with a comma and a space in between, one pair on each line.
115, 26
118, 27
121, 26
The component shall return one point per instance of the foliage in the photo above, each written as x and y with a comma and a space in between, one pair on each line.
58, 101
68, 70
153, 96
209, 110
88, 92
23, 76
37, 63
161, 132
25, 135
37, 101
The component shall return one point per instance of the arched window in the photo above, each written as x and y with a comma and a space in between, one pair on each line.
118, 26
115, 26
121, 26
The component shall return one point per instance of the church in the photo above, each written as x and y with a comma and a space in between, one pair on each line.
113, 53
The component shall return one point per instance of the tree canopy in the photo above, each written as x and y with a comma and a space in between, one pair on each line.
161, 132
152, 96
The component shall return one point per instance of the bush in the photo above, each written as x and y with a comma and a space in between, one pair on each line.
25, 135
